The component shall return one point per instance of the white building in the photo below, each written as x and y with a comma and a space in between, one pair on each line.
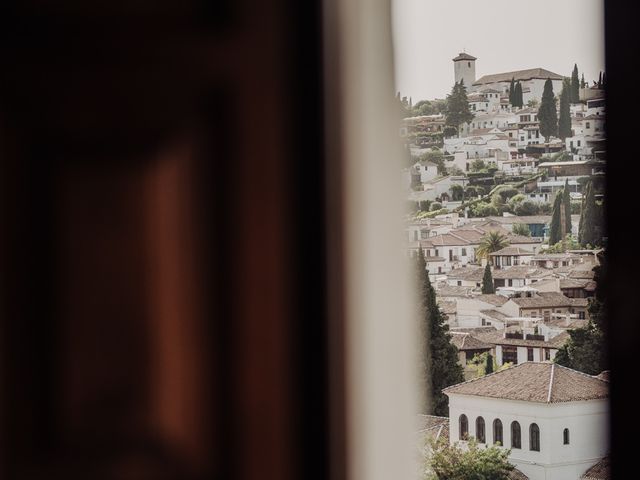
554, 419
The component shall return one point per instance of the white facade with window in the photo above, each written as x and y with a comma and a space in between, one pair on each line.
586, 421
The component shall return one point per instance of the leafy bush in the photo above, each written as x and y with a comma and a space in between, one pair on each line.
521, 229
451, 462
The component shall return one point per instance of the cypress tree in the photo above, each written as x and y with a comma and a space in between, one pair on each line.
600, 80
604, 79
440, 367
564, 123
586, 233
487, 281
547, 112
457, 110
575, 85
517, 96
511, 91
555, 229
566, 201
488, 366
582, 82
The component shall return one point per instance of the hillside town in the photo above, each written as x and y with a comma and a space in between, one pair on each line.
505, 185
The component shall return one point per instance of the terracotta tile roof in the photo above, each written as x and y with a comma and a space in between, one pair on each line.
518, 75
539, 382
465, 341
497, 338
542, 300
448, 307
580, 273
555, 256
448, 240
513, 239
574, 283
579, 302
516, 474
449, 291
604, 375
562, 323
470, 273
492, 298
600, 471
512, 251
433, 427
474, 330
494, 314
464, 56
520, 271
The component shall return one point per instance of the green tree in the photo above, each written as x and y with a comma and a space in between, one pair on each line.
517, 96
440, 365
491, 242
533, 103
526, 208
488, 366
568, 243
566, 202
575, 85
452, 462
511, 90
477, 165
555, 229
583, 84
586, 349
487, 281
564, 122
456, 192
587, 230
458, 112
521, 229
547, 115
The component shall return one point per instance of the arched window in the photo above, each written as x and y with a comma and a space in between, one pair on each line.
464, 427
534, 437
480, 430
515, 435
565, 436
497, 431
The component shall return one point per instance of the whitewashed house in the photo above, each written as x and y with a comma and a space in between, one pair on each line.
554, 419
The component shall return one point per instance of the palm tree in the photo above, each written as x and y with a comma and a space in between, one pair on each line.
491, 242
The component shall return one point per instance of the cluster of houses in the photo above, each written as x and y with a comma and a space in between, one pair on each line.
508, 138
553, 419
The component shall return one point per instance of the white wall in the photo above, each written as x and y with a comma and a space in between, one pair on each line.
587, 422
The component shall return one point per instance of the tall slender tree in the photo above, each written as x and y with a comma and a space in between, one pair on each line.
604, 79
587, 230
547, 112
457, 111
575, 85
511, 91
564, 123
600, 80
566, 203
517, 95
487, 281
583, 84
555, 229
440, 367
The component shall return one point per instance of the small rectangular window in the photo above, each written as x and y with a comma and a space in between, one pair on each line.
530, 354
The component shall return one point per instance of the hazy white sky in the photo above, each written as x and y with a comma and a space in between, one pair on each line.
504, 35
